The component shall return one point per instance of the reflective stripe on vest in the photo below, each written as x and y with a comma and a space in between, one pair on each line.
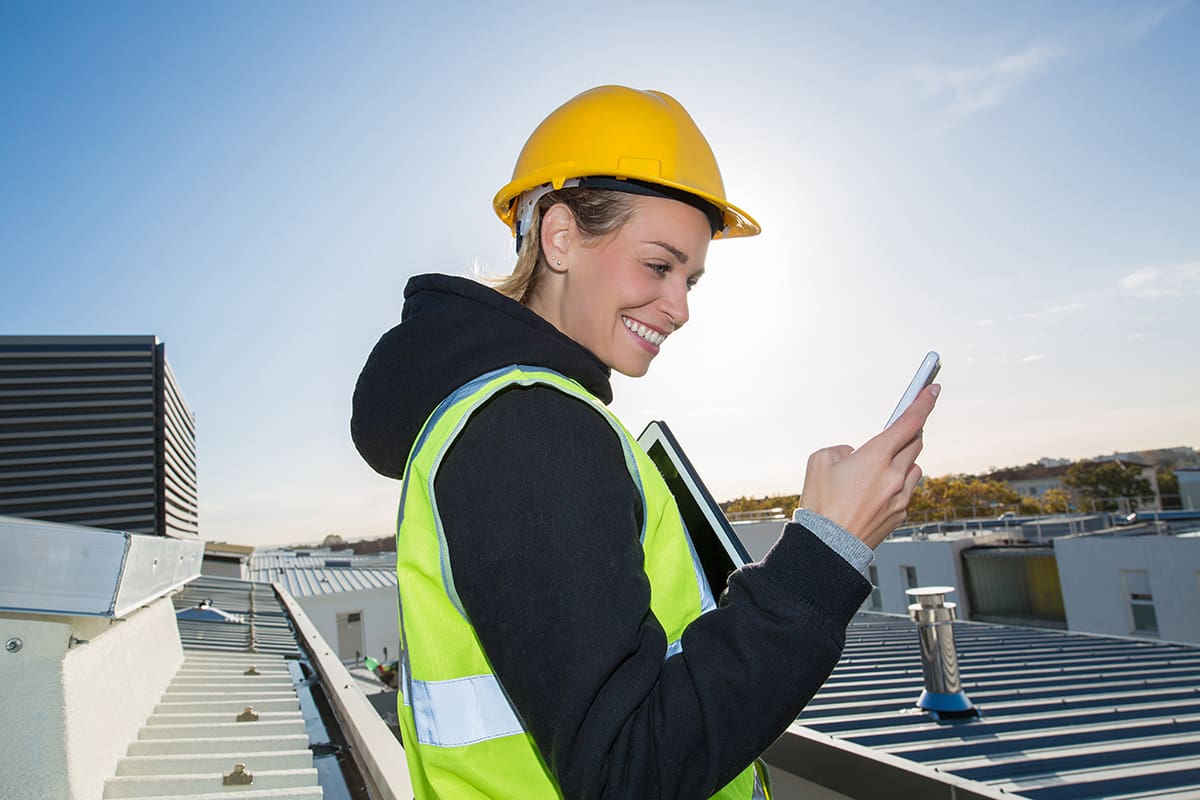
468, 739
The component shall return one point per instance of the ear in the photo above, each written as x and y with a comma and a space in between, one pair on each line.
557, 232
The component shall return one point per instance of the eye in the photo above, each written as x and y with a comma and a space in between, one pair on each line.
660, 268
692, 281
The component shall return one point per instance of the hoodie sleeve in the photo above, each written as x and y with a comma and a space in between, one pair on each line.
541, 519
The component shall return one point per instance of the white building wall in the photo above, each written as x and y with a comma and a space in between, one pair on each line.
380, 618
1189, 487
1089, 568
78, 706
1035, 487
757, 537
937, 562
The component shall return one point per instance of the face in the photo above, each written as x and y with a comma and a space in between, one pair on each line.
623, 296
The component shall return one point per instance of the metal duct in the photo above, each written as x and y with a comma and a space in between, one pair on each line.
943, 695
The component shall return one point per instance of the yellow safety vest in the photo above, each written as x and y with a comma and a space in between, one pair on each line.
462, 738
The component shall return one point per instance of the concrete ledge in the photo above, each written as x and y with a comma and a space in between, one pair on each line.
310, 793
379, 756
181, 786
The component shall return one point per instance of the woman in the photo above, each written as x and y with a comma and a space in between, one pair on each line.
552, 622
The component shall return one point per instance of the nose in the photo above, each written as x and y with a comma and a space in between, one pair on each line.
675, 302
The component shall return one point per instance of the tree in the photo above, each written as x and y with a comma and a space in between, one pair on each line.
788, 502
1055, 501
1104, 482
959, 496
1168, 488
333, 540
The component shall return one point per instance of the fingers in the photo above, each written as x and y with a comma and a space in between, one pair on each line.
910, 451
908, 425
911, 480
913, 418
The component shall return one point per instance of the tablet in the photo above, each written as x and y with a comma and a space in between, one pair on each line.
718, 547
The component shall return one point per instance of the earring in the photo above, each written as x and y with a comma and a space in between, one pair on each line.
557, 263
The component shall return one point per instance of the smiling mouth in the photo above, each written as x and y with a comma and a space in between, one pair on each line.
648, 334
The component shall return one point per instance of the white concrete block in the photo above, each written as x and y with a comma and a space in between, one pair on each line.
183, 764
247, 744
228, 730
182, 785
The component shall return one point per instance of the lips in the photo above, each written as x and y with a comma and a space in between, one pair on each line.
645, 333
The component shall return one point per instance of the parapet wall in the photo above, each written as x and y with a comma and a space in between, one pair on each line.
77, 689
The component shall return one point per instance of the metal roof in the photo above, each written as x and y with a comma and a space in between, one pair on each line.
301, 583
268, 566
1064, 715
259, 623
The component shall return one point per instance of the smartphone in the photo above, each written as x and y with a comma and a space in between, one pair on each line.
925, 374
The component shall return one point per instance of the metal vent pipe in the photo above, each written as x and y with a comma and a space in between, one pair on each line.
943, 695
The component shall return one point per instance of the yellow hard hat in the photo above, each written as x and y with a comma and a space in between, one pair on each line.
614, 137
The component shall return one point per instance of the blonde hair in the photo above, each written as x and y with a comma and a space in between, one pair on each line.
597, 212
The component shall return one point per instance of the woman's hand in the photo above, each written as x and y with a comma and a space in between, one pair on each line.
867, 490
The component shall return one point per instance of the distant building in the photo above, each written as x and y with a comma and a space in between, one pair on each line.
94, 431
225, 560
1033, 480
1060, 572
1189, 487
351, 599
1054, 462
1144, 586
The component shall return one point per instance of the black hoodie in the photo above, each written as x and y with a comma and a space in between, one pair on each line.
542, 518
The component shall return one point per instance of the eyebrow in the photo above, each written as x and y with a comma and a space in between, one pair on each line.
681, 256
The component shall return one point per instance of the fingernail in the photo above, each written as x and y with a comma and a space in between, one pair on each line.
935, 389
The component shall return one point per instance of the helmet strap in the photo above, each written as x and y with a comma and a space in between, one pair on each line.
527, 203
714, 215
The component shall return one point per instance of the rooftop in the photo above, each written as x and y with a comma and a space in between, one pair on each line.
1063, 715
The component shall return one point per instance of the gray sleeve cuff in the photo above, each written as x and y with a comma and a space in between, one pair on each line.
837, 539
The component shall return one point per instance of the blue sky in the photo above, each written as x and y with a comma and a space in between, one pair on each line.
1013, 184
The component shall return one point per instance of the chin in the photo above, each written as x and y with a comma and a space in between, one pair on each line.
632, 370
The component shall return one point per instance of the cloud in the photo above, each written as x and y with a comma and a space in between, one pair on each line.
1049, 312
1142, 26
1031, 359
1149, 283
966, 90
983, 323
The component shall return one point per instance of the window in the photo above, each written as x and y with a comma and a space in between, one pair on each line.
875, 602
1141, 601
908, 580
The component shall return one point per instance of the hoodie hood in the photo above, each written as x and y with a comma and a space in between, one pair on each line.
451, 331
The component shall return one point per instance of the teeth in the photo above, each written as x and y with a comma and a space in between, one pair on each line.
641, 330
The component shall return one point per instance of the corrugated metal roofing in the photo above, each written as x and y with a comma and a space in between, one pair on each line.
302, 583
263, 625
267, 567
1064, 715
